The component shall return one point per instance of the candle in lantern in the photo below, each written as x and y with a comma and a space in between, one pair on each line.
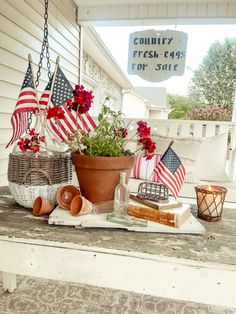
210, 200
208, 204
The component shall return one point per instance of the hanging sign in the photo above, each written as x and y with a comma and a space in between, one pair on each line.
156, 56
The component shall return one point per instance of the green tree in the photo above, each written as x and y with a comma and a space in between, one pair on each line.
214, 81
180, 106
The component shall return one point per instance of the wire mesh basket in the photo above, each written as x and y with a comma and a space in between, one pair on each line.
32, 176
153, 191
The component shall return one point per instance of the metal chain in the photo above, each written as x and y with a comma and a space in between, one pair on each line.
29, 121
45, 44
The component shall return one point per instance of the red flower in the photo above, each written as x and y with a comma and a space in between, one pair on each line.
36, 148
22, 145
84, 108
27, 141
152, 147
143, 129
82, 100
148, 144
56, 112
148, 156
32, 132
31, 143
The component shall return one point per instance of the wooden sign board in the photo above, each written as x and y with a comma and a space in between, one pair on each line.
155, 55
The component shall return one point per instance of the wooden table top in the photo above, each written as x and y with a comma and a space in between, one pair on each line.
218, 245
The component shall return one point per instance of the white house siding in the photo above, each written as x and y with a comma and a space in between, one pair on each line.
134, 106
96, 78
159, 114
21, 32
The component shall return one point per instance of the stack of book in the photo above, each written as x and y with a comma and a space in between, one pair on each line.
171, 213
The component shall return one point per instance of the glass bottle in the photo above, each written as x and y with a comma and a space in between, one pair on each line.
121, 197
121, 204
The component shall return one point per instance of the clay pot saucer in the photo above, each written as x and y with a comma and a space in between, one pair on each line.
80, 206
42, 206
66, 194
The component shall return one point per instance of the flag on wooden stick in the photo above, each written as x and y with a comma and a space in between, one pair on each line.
26, 104
56, 93
170, 171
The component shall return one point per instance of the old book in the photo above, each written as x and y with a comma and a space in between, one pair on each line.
159, 206
174, 217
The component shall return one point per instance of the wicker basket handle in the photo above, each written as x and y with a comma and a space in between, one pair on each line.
37, 170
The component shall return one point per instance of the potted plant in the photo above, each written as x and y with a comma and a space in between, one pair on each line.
100, 156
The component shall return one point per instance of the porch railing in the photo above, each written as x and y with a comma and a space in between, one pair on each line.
196, 129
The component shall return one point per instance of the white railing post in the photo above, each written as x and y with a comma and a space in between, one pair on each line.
234, 109
232, 160
232, 165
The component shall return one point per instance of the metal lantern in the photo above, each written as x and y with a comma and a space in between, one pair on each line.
210, 201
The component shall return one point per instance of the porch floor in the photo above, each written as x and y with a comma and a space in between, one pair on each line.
42, 296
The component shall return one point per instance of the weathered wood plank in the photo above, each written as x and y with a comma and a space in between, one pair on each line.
217, 246
3, 180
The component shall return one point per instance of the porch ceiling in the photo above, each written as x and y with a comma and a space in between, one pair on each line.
117, 2
149, 12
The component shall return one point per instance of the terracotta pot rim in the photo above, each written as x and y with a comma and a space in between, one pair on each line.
74, 190
74, 203
41, 206
101, 157
102, 162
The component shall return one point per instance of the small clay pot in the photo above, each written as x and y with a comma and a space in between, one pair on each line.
66, 194
42, 206
80, 206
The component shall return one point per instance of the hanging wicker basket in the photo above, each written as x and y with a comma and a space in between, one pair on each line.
32, 176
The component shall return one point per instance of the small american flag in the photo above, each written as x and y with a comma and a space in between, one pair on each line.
170, 171
26, 103
62, 90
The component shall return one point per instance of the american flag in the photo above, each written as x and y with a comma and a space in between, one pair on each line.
170, 171
62, 90
26, 103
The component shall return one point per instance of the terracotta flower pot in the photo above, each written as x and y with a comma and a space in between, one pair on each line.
66, 194
42, 206
80, 206
98, 176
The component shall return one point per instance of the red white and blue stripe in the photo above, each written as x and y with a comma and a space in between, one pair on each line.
26, 104
170, 171
62, 90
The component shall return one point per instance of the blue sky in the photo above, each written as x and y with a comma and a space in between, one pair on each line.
200, 37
